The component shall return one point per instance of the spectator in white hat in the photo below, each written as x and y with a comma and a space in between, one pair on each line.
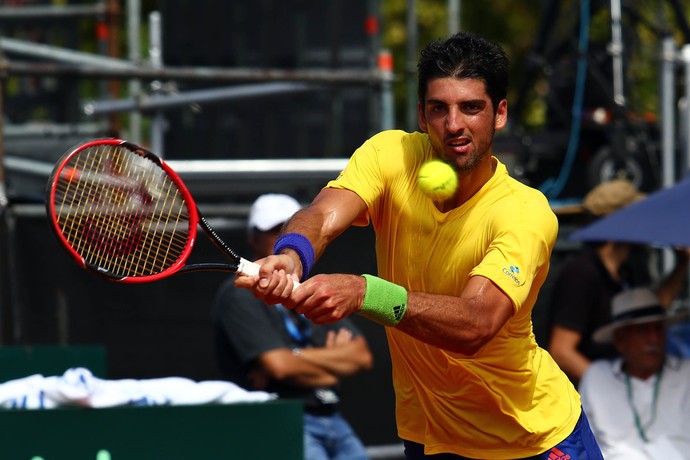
638, 404
583, 287
279, 351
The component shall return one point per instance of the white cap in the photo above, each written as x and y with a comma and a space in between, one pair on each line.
271, 210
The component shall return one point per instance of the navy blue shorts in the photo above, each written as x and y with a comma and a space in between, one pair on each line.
579, 445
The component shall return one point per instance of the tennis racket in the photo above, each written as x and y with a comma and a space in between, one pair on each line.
122, 212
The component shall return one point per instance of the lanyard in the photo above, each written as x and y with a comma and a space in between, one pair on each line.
655, 397
300, 332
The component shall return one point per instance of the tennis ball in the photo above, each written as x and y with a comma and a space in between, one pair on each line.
437, 180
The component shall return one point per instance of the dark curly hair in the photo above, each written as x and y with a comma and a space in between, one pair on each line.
465, 55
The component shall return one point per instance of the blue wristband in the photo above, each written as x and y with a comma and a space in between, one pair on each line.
302, 246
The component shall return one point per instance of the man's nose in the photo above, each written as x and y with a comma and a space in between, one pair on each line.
454, 121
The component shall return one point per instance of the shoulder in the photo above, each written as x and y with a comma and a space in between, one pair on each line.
397, 142
603, 366
394, 136
681, 365
600, 371
529, 199
514, 202
389, 157
510, 193
582, 265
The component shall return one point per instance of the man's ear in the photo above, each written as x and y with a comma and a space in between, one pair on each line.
501, 118
421, 118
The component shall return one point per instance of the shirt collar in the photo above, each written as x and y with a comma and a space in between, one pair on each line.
671, 362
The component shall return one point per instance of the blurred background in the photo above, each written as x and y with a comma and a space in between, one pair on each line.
248, 97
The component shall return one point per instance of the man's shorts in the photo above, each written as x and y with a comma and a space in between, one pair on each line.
579, 445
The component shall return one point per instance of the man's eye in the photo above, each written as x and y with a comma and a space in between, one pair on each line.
472, 108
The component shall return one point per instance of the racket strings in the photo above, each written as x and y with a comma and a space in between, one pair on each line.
159, 248
121, 212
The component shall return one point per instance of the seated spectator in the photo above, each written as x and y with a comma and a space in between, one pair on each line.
638, 404
583, 288
274, 349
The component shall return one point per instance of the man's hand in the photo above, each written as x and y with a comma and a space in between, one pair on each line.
274, 283
328, 298
338, 339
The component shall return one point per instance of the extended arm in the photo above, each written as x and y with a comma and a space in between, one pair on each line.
329, 215
460, 324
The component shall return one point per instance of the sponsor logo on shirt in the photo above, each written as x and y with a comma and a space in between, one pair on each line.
513, 273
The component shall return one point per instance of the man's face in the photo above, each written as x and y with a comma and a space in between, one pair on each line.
643, 347
460, 120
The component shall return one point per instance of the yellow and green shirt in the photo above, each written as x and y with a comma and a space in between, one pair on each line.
509, 400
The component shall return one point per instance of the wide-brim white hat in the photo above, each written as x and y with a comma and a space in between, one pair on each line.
636, 306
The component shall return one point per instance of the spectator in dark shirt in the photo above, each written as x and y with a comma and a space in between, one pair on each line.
583, 289
270, 348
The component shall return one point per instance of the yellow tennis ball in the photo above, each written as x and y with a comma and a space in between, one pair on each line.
437, 180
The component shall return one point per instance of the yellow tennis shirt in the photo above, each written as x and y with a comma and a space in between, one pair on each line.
509, 400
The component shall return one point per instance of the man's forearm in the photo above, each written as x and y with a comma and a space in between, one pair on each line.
340, 361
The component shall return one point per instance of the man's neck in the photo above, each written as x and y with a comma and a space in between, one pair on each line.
471, 183
640, 373
612, 256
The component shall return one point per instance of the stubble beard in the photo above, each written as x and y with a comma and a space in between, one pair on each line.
475, 157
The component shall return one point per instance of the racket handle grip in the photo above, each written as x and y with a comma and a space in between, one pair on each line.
248, 268
252, 269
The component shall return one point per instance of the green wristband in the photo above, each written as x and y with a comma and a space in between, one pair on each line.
384, 302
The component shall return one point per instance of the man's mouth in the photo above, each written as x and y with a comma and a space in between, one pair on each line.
653, 350
458, 144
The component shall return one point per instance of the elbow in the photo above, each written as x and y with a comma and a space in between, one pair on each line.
472, 341
557, 353
278, 364
360, 349
279, 372
472, 347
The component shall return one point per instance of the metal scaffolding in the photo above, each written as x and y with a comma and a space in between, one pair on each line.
24, 58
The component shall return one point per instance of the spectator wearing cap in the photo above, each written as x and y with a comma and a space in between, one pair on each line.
583, 287
638, 404
277, 350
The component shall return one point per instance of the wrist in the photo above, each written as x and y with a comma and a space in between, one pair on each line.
384, 302
301, 245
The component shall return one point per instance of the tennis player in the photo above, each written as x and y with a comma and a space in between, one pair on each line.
457, 279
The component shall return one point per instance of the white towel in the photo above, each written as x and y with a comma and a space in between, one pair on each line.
79, 387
